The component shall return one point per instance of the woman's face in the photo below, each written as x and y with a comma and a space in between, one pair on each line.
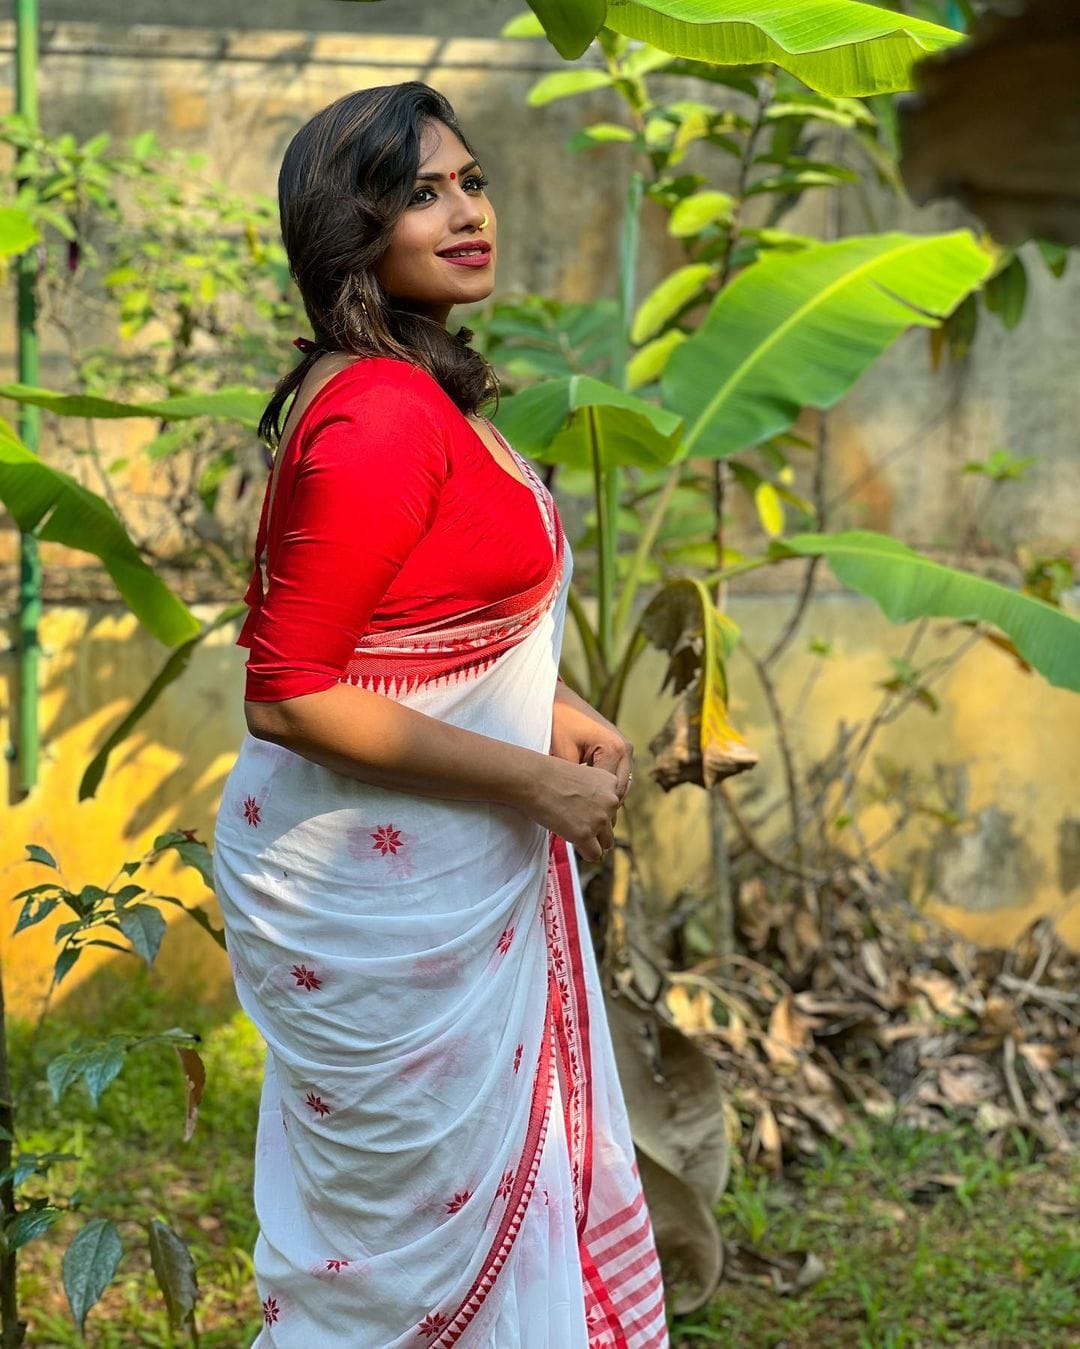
447, 209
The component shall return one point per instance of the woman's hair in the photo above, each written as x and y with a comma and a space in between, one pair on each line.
346, 177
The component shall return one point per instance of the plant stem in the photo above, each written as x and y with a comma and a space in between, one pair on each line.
644, 550
806, 592
12, 1330
787, 756
606, 528
595, 667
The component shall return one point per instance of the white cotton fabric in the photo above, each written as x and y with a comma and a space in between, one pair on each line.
395, 952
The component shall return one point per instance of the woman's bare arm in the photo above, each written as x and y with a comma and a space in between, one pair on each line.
373, 738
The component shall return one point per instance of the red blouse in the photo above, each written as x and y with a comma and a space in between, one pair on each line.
389, 511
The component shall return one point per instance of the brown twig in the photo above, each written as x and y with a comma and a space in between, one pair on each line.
810, 572
787, 755
742, 824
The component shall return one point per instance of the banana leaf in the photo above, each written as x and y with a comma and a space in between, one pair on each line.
545, 423
235, 404
907, 586
698, 743
833, 46
570, 24
796, 330
53, 507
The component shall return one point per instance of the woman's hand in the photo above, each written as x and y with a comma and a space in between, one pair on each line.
577, 802
581, 735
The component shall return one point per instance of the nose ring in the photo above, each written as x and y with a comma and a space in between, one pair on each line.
484, 222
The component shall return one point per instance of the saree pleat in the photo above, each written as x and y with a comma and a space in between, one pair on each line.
442, 1155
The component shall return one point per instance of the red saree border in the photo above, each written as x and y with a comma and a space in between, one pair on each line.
401, 659
518, 1201
572, 1027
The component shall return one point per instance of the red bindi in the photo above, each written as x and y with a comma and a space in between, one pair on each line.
453, 176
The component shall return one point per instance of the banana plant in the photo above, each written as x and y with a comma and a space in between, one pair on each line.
55, 507
833, 46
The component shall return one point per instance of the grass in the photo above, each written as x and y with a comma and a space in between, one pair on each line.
990, 1260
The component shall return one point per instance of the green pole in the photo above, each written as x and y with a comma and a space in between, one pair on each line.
26, 63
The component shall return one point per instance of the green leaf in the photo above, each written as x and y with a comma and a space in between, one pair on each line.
17, 231
39, 854
570, 24
169, 673
30, 915
100, 1068
770, 508
565, 84
1055, 255
1001, 466
174, 1270
126, 894
30, 1223
524, 25
799, 179
207, 926
833, 46
845, 112
97, 1064
547, 423
648, 364
64, 964
668, 298
90, 1263
144, 927
235, 404
600, 133
1006, 293
907, 586
54, 507
796, 330
190, 851
692, 214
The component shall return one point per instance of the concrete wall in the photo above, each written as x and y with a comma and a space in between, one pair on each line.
898, 444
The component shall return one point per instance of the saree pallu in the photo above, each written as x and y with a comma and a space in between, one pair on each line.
443, 1155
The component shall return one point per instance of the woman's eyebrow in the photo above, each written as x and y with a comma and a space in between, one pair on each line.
435, 177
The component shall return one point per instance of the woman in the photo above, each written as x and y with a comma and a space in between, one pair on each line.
443, 1154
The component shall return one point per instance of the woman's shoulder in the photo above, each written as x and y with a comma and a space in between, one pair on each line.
373, 384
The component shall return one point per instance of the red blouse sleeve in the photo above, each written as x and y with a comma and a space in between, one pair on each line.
362, 494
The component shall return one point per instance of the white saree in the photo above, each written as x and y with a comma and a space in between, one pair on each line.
443, 1155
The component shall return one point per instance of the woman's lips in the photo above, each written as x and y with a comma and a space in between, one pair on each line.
475, 260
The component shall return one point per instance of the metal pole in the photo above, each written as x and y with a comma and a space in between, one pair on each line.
26, 62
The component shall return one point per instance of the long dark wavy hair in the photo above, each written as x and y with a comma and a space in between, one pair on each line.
346, 177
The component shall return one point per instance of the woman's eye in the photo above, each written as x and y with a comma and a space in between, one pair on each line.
478, 180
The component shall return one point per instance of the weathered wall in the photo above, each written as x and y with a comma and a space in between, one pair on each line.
899, 441
1014, 738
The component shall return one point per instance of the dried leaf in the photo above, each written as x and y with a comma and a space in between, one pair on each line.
1041, 1056
698, 742
940, 990
787, 1273
766, 1142
691, 1010
194, 1083
967, 1081
677, 1118
789, 1034
687, 1237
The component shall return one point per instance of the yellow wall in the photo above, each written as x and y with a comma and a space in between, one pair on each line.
1016, 737
95, 662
